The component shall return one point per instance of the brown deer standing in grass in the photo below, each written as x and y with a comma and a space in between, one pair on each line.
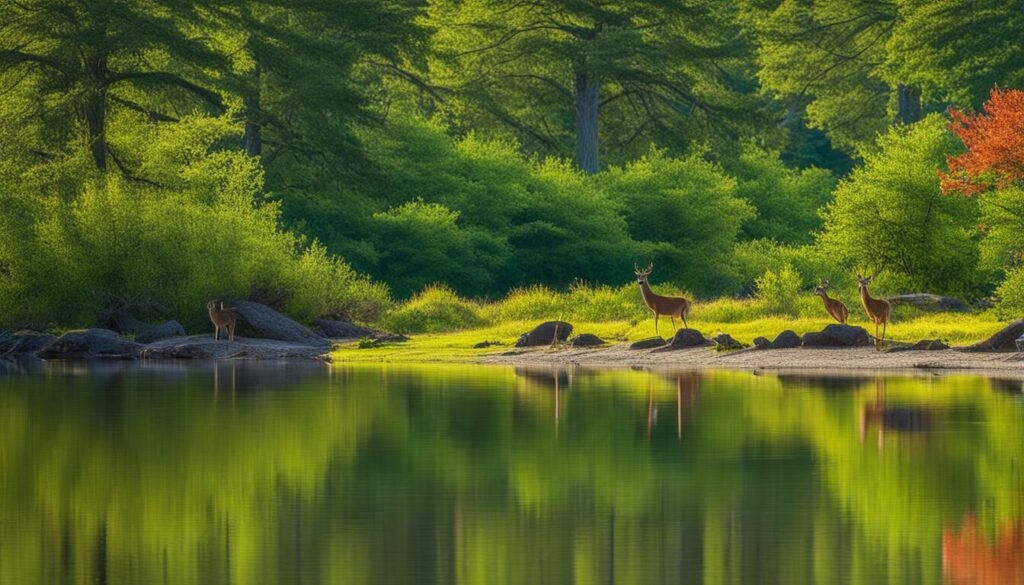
659, 305
878, 310
835, 307
223, 318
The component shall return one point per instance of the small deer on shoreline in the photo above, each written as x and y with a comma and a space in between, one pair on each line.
834, 307
223, 318
878, 310
660, 305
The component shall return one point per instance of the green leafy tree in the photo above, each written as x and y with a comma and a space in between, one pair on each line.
561, 75
957, 51
70, 66
824, 57
891, 214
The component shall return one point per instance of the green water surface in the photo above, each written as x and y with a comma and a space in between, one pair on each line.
310, 473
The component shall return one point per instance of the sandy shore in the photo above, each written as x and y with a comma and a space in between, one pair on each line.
817, 359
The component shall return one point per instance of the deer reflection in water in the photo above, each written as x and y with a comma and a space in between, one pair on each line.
687, 386
971, 556
901, 419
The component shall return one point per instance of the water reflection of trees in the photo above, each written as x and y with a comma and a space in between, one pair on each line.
462, 475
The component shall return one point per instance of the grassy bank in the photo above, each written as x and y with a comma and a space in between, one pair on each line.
954, 328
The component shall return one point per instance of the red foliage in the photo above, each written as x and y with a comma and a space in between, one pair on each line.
970, 557
995, 145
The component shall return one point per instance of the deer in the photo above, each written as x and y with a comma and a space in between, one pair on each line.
878, 310
834, 307
659, 305
223, 318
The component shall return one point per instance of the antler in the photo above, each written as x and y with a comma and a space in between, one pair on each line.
645, 271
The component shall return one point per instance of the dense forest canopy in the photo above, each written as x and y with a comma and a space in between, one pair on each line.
330, 156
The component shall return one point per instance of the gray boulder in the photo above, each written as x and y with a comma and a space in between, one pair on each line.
689, 338
725, 342
1005, 340
24, 342
1020, 343
269, 324
204, 347
930, 302
786, 340
91, 343
923, 345
126, 324
648, 343
837, 335
544, 334
341, 329
762, 343
587, 340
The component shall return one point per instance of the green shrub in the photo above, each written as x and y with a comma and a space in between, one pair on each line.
435, 309
778, 291
890, 212
1011, 295
200, 234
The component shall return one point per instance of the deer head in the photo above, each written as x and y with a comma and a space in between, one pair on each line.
824, 286
641, 275
864, 281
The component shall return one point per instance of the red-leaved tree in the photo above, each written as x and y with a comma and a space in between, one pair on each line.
995, 145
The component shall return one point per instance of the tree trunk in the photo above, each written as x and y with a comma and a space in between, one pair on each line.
95, 121
908, 104
252, 139
587, 105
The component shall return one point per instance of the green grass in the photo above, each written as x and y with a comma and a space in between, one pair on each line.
457, 346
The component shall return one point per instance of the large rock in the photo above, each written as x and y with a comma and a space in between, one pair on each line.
544, 334
923, 345
341, 329
648, 343
269, 324
1020, 343
929, 302
837, 335
762, 343
1004, 340
205, 347
91, 343
689, 338
786, 340
587, 340
126, 324
24, 342
725, 342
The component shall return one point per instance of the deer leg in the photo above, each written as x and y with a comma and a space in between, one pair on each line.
884, 323
656, 316
673, 317
216, 332
231, 332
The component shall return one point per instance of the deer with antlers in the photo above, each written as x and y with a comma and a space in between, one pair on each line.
834, 307
878, 310
660, 305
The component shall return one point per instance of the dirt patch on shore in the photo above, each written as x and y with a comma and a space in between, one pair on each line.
859, 358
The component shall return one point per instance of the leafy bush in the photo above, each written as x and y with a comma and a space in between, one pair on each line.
891, 213
199, 234
582, 303
560, 225
419, 243
1011, 295
778, 291
787, 200
811, 262
435, 309
687, 212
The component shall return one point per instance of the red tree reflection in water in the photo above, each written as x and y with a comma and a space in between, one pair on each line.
969, 556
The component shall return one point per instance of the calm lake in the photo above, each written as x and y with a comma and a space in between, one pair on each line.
309, 473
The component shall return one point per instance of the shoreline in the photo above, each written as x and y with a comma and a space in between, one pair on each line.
796, 360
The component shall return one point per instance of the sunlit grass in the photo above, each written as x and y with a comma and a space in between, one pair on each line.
953, 328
